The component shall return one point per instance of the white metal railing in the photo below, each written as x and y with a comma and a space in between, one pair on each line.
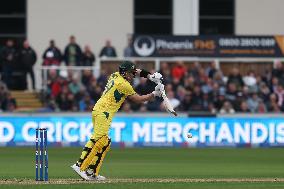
42, 71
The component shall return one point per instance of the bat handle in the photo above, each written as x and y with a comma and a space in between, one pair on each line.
163, 94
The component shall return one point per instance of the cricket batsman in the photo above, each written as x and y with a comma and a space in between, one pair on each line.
117, 89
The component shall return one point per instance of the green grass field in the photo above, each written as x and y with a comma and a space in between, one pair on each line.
151, 168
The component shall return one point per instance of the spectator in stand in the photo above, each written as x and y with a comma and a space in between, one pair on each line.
51, 78
164, 68
272, 104
206, 100
189, 83
279, 91
94, 90
55, 83
65, 101
253, 102
278, 71
211, 108
9, 103
57, 86
215, 91
108, 50
194, 70
166, 73
221, 98
207, 86
168, 88
128, 52
266, 76
72, 53
153, 105
212, 69
27, 60
274, 83
80, 95
74, 86
264, 92
186, 103
3, 87
218, 78
88, 57
237, 103
178, 71
202, 77
180, 93
3, 91
126, 107
245, 92
102, 79
52, 55
8, 59
259, 79
87, 77
143, 87
70, 75
244, 107
235, 77
261, 107
86, 104
1, 62
197, 104
232, 93
49, 106
176, 83
143, 108
250, 80
227, 108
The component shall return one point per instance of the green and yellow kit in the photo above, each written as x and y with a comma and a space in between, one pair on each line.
115, 93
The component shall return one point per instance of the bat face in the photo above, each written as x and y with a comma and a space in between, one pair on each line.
168, 105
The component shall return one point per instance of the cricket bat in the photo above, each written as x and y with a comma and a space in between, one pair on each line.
167, 104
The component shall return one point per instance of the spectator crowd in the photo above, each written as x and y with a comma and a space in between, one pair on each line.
7, 102
194, 88
17, 61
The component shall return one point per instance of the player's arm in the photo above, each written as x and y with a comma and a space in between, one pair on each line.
143, 98
155, 77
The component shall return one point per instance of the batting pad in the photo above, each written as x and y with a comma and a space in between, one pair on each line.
96, 156
86, 151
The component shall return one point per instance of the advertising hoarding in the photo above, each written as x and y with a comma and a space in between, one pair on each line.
152, 131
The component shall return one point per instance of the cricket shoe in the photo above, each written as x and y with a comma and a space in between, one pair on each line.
97, 178
82, 174
93, 177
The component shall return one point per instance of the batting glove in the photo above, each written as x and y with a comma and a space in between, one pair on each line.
157, 91
156, 77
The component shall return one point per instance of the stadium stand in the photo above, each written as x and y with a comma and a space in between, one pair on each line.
192, 86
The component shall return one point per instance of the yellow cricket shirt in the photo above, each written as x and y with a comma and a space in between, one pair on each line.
116, 91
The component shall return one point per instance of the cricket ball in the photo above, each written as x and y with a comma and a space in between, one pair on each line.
189, 135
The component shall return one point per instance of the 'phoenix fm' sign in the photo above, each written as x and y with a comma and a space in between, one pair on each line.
208, 46
219, 131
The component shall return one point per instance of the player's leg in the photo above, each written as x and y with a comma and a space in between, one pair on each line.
98, 160
86, 150
95, 158
101, 122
